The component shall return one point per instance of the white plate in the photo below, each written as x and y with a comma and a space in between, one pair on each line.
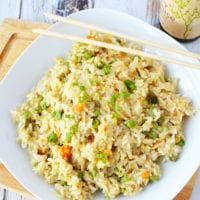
31, 66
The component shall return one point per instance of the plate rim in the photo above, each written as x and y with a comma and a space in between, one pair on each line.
56, 24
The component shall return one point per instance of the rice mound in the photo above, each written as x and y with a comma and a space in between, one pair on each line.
102, 119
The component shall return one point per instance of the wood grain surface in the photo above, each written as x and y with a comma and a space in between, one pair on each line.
147, 10
15, 37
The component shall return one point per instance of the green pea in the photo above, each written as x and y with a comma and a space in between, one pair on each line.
57, 115
87, 55
102, 157
92, 82
125, 178
52, 137
131, 123
84, 97
106, 69
82, 88
115, 114
154, 178
69, 135
95, 123
153, 135
74, 128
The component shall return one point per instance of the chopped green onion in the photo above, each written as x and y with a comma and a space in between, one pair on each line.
152, 135
155, 125
102, 157
131, 123
125, 94
75, 59
80, 175
118, 108
115, 114
74, 128
130, 85
95, 123
87, 55
106, 69
75, 83
92, 82
180, 142
52, 137
97, 112
114, 98
94, 172
62, 61
53, 114
100, 64
84, 97
161, 120
44, 106
82, 88
63, 183
152, 106
154, 178
174, 157
38, 109
152, 110
27, 114
125, 178
69, 135
69, 116
57, 115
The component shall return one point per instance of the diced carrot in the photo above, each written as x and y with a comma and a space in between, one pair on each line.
107, 152
40, 152
174, 112
79, 107
66, 151
116, 88
90, 138
146, 174
90, 37
105, 128
158, 141
122, 55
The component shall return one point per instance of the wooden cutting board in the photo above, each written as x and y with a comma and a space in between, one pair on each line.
15, 36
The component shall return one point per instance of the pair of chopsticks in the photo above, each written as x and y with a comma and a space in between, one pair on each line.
119, 48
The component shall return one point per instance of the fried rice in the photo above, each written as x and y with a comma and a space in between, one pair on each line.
102, 120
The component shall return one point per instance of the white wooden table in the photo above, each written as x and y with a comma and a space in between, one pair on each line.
147, 10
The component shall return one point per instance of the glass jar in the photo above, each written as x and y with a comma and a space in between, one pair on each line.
181, 18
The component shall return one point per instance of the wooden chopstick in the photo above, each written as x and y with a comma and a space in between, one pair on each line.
114, 47
122, 35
